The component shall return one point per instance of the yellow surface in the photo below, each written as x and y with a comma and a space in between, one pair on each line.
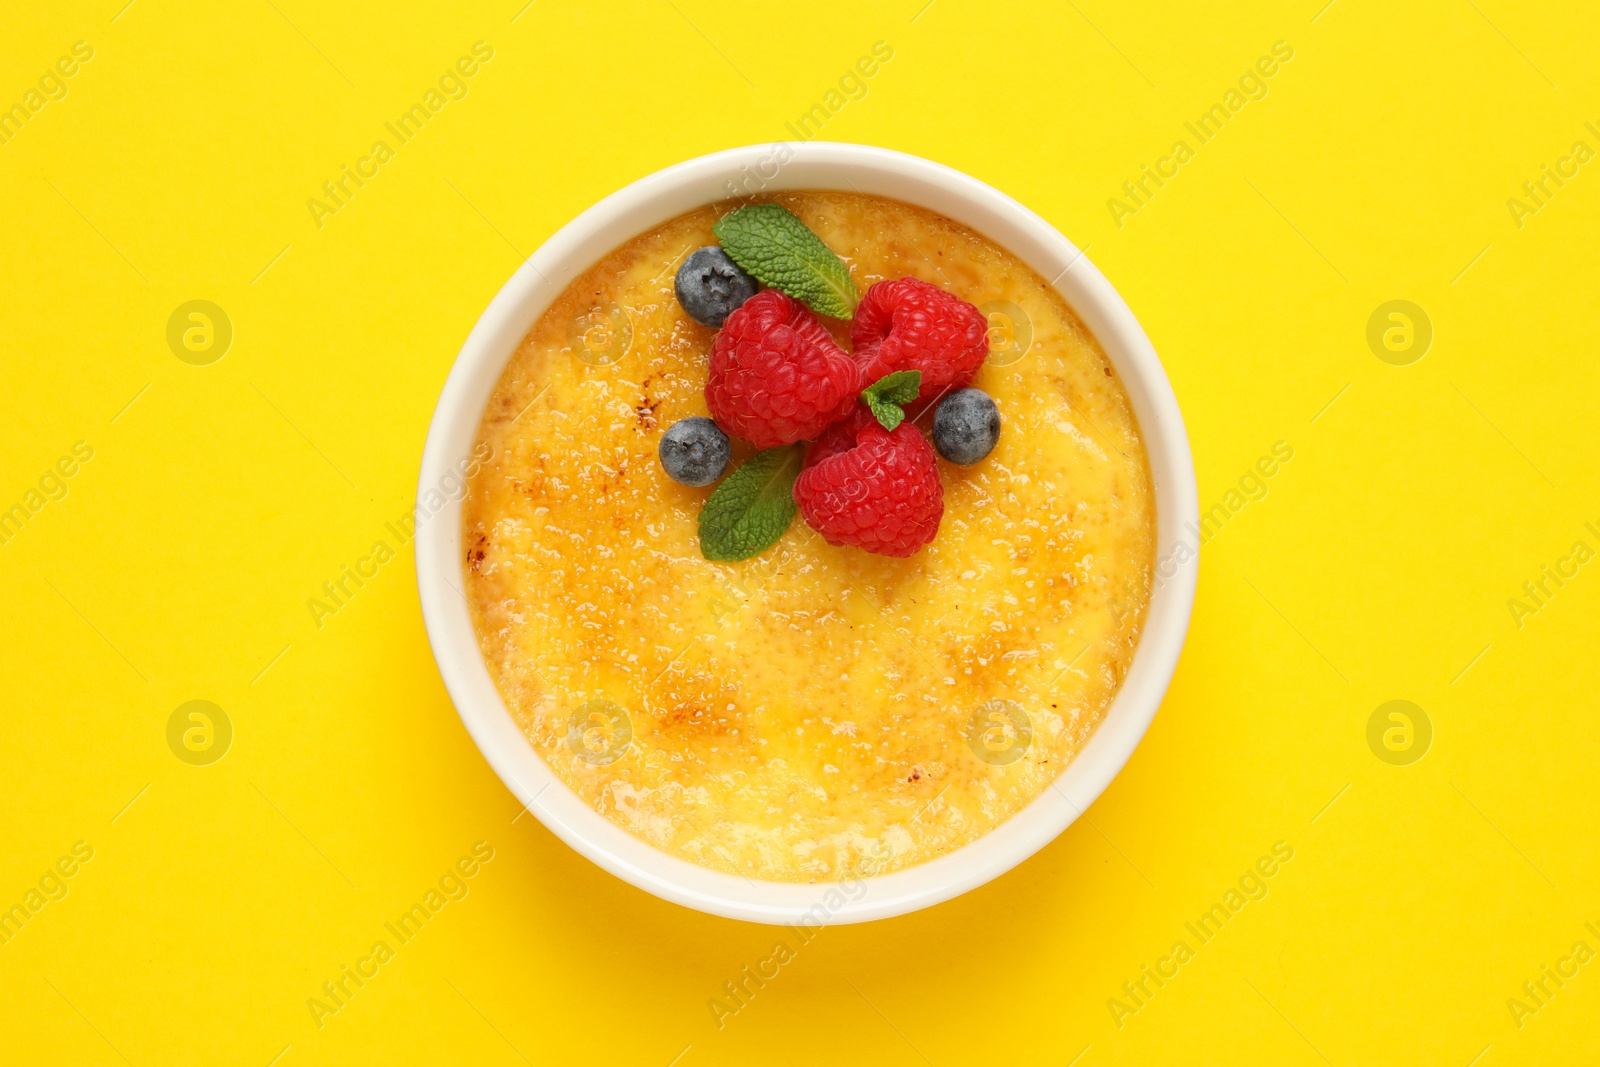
1378, 566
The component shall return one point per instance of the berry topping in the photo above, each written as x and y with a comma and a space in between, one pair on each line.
776, 375
966, 426
906, 324
872, 488
694, 451
710, 286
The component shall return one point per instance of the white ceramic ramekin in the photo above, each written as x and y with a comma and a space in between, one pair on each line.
641, 206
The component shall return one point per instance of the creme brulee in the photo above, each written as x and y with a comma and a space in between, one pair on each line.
816, 712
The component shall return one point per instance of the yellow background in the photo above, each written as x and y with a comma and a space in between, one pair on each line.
1378, 567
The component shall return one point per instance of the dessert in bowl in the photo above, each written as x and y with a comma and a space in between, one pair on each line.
788, 588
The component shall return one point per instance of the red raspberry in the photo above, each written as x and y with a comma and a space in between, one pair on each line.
865, 486
776, 375
906, 324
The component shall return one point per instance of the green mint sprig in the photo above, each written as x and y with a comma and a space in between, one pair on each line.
750, 510
888, 394
774, 246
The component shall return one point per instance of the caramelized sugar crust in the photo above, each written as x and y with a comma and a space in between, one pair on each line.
815, 713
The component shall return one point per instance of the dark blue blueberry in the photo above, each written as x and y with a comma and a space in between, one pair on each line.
694, 451
710, 286
966, 426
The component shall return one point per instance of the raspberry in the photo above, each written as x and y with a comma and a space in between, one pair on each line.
865, 486
906, 324
776, 375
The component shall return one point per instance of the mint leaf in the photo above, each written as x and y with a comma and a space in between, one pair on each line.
752, 507
768, 241
886, 395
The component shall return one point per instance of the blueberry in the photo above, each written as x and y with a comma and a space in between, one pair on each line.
966, 426
710, 286
694, 451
